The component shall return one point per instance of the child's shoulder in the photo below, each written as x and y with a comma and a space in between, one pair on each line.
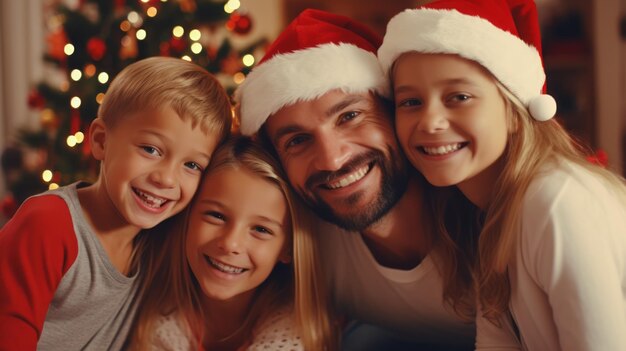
44, 210
563, 182
278, 332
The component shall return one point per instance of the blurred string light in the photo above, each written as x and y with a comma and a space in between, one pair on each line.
68, 49
248, 60
75, 102
103, 77
77, 138
178, 31
152, 11
239, 77
53, 186
231, 6
100, 98
46, 175
196, 48
141, 34
186, 58
195, 35
76, 74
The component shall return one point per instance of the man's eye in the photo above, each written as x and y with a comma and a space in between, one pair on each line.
295, 141
409, 103
348, 116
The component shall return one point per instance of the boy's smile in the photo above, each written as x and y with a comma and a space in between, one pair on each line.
151, 165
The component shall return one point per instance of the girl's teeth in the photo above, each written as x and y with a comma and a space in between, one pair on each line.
225, 268
442, 150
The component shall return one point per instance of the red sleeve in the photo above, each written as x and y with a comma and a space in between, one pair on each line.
37, 247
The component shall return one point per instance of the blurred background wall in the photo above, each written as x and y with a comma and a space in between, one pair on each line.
41, 120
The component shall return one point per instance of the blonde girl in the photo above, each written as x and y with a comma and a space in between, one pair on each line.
548, 265
242, 269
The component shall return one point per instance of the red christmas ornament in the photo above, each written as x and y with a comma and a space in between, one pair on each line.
96, 48
238, 23
177, 45
601, 158
36, 100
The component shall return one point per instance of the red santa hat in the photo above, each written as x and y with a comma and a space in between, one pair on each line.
502, 35
316, 53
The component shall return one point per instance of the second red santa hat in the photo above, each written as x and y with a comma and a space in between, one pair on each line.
501, 35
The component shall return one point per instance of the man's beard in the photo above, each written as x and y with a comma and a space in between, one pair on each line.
394, 181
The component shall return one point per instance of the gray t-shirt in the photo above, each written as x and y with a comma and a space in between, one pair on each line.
94, 305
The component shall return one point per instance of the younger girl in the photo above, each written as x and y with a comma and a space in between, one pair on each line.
242, 272
549, 263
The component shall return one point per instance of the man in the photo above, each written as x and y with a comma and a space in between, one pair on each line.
318, 98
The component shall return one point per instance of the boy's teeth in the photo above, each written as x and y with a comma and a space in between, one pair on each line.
150, 200
345, 181
442, 150
224, 267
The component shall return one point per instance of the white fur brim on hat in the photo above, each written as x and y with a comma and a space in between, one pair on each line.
305, 75
514, 63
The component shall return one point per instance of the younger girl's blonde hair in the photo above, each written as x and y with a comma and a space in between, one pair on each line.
155, 82
170, 285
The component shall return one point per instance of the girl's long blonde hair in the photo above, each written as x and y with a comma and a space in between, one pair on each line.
169, 284
531, 144
475, 262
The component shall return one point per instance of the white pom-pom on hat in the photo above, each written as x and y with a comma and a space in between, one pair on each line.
542, 107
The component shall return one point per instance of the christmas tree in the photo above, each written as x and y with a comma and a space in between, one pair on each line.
88, 45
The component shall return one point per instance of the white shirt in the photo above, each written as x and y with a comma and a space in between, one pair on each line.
406, 302
568, 278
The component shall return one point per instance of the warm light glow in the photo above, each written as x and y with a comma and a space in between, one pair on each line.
141, 34
125, 26
68, 49
186, 58
53, 186
75, 102
145, 1
248, 60
99, 98
103, 77
46, 175
233, 4
239, 77
196, 48
133, 17
79, 137
47, 115
195, 35
178, 31
71, 141
228, 8
76, 74
152, 11
64, 86
90, 70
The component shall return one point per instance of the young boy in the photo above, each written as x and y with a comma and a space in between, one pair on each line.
69, 257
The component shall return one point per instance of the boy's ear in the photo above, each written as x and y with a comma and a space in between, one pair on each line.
97, 138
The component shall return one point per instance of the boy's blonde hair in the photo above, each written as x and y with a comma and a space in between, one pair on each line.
192, 92
170, 285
